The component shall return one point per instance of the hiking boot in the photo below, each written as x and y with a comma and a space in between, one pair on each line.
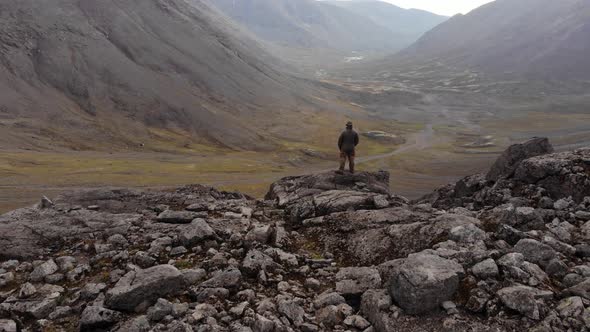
341, 172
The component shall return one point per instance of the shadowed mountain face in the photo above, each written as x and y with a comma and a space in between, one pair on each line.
117, 71
409, 24
543, 38
312, 24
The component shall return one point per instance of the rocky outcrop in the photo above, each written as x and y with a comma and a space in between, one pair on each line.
292, 189
509, 161
340, 254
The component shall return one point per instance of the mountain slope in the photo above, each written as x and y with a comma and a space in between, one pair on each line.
310, 24
91, 73
531, 37
410, 24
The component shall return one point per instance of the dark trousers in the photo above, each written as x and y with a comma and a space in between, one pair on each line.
347, 155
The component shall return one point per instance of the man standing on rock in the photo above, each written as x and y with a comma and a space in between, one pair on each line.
347, 143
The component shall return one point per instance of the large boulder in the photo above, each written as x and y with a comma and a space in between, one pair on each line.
508, 161
139, 289
560, 174
294, 188
424, 282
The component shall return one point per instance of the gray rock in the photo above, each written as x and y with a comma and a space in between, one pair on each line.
353, 281
208, 294
583, 250
380, 202
143, 259
521, 299
256, 261
118, 241
375, 306
193, 276
6, 278
330, 316
467, 234
178, 217
511, 158
7, 325
66, 263
161, 309
263, 324
96, 318
581, 289
295, 188
198, 231
26, 290
91, 290
178, 251
424, 282
203, 311
328, 298
230, 278
572, 279
43, 270
486, 269
260, 234
562, 204
357, 321
138, 324
137, 290
570, 307
556, 268
290, 309
535, 251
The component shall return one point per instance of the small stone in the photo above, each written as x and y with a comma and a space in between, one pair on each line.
203, 311
178, 217
6, 278
193, 276
486, 269
40, 272
161, 309
570, 307
177, 251
357, 321
118, 241
7, 325
94, 317
27, 290
326, 299
312, 284
535, 251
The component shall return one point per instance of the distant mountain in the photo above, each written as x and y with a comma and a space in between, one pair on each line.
318, 25
410, 24
543, 38
88, 73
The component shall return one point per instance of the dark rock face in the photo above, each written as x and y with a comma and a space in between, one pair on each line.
342, 252
509, 161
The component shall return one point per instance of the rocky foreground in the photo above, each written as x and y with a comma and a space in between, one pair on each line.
503, 251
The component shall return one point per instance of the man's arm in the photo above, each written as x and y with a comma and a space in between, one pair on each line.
356, 139
340, 141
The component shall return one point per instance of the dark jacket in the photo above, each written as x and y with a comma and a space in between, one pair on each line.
348, 140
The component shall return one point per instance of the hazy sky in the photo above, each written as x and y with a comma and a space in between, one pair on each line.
444, 7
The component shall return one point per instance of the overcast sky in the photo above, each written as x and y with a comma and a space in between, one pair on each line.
443, 7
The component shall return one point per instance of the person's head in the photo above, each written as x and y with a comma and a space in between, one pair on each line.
349, 125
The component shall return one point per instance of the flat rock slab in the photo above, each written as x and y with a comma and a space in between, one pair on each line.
139, 289
179, 217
